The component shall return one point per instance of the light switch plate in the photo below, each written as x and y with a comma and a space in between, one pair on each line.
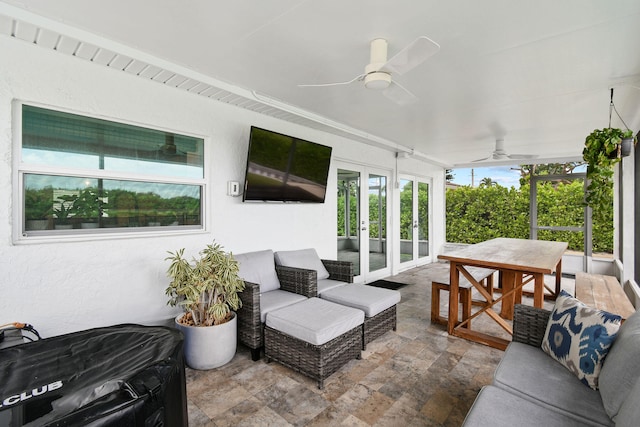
233, 188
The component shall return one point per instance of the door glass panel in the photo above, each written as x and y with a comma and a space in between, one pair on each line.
423, 219
377, 222
406, 220
349, 218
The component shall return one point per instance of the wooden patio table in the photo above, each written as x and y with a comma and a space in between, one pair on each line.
515, 259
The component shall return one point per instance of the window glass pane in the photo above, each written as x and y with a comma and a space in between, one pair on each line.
55, 138
64, 203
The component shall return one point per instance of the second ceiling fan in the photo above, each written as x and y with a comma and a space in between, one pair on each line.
499, 153
378, 73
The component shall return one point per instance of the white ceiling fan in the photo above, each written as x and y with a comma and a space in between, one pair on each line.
378, 73
499, 153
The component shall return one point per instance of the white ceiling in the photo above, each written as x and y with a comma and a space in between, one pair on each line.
535, 73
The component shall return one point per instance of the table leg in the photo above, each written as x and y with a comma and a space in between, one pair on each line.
558, 277
454, 277
538, 290
518, 286
508, 283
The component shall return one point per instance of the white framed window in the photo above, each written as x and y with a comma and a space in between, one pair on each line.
80, 175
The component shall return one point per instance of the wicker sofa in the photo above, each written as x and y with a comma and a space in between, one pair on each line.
532, 389
269, 287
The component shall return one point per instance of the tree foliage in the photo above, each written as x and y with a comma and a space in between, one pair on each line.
547, 169
449, 175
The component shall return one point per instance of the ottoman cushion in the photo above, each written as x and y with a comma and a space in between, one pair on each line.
274, 300
314, 320
370, 299
326, 284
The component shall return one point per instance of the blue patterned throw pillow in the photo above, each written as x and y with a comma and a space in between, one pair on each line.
579, 337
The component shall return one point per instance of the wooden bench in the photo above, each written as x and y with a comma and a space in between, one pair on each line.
604, 293
440, 282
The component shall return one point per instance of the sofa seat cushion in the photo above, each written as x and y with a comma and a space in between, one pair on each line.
621, 369
370, 299
497, 407
579, 337
314, 320
302, 258
259, 267
327, 284
529, 372
275, 300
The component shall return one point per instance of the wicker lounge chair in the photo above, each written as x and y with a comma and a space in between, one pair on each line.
267, 288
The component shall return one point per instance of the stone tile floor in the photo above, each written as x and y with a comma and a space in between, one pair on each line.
415, 376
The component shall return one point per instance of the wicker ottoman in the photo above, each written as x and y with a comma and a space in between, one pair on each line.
313, 337
378, 305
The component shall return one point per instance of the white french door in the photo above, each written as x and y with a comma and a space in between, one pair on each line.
363, 220
414, 246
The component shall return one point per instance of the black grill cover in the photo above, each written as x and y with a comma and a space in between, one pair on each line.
124, 375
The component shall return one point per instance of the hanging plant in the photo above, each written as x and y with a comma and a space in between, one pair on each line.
603, 148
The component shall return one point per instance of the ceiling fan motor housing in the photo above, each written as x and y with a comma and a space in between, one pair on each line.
375, 79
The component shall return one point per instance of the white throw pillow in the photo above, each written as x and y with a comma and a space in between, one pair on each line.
259, 267
302, 258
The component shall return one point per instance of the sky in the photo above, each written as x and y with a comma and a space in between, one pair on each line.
503, 175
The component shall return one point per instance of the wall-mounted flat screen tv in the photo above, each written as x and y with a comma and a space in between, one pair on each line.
282, 168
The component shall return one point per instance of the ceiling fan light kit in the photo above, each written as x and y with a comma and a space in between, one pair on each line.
378, 73
374, 78
377, 80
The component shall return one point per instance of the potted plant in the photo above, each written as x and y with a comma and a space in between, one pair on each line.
64, 211
208, 290
37, 208
603, 148
89, 206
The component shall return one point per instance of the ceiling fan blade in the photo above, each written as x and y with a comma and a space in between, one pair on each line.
411, 56
522, 156
481, 160
398, 94
359, 77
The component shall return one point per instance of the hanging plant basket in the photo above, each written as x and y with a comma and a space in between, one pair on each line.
623, 149
626, 146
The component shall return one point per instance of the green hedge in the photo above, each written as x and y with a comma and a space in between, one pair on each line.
486, 212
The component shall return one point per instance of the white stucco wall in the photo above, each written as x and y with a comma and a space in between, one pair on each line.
63, 287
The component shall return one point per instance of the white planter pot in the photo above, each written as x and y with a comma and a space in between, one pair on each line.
208, 347
37, 224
